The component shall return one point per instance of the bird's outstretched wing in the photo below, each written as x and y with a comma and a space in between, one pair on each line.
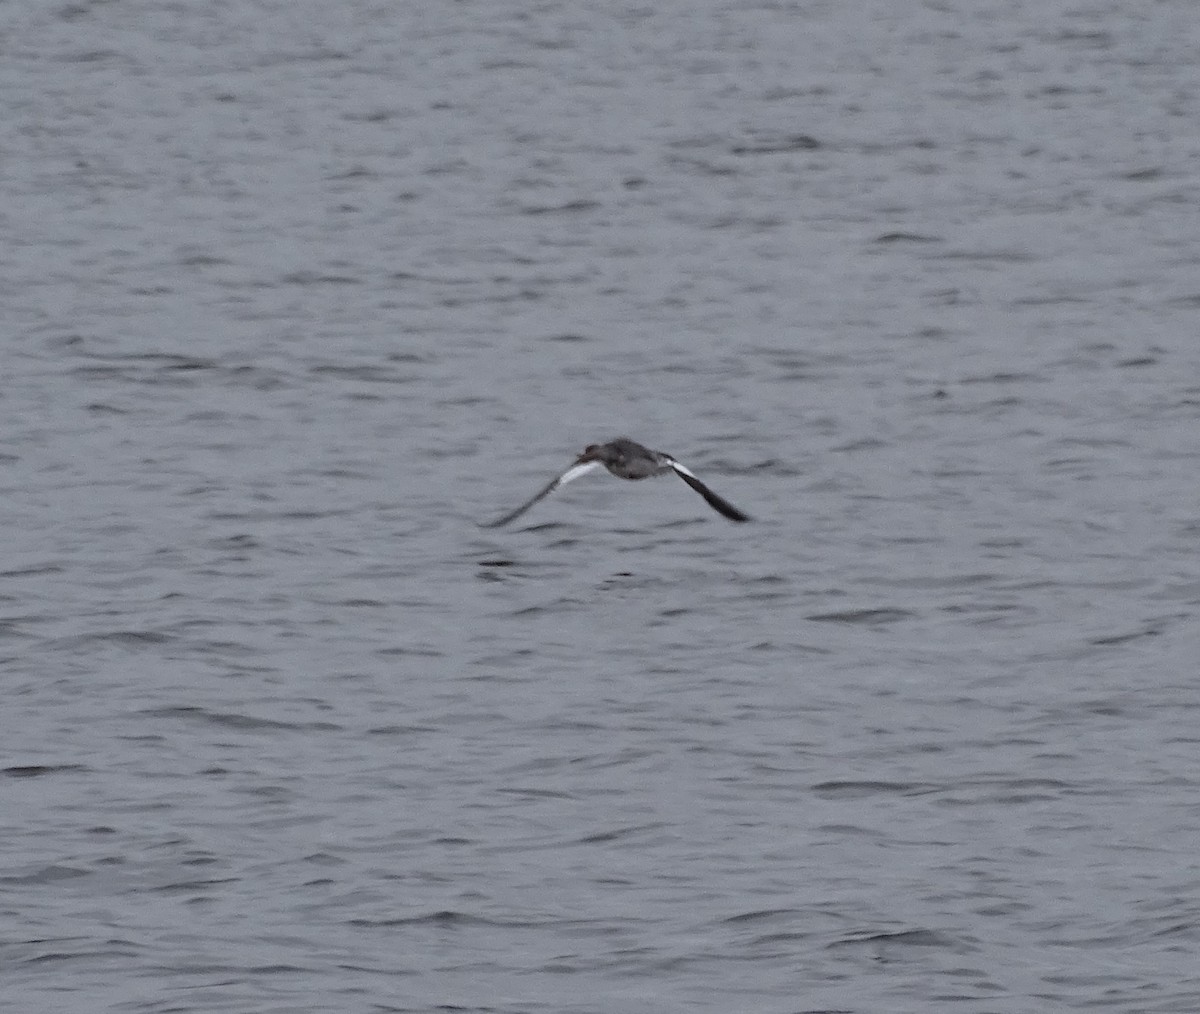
574, 472
717, 503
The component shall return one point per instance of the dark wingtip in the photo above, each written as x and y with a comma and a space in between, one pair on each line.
728, 510
717, 503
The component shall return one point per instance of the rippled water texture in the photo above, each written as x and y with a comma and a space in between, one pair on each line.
296, 294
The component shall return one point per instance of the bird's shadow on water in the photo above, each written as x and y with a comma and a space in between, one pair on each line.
496, 558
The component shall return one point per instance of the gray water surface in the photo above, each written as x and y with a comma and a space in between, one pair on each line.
294, 295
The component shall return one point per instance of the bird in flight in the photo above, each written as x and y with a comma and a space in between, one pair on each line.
626, 460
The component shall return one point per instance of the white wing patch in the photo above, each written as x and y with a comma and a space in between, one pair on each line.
572, 473
681, 470
575, 471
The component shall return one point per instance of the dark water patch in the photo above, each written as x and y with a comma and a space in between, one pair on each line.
33, 571
762, 914
864, 789
901, 939
37, 770
983, 614
201, 259
570, 207
1002, 377
619, 834
767, 595
1142, 175
309, 278
1092, 442
176, 376
236, 721
768, 144
861, 444
824, 1010
946, 297
375, 373
1012, 791
428, 279
790, 647
415, 650
1133, 635
97, 56
51, 874
865, 617
939, 581
159, 361
525, 792
1076, 38
1005, 542
445, 918
548, 526
564, 604
240, 542
129, 639
400, 730
87, 951
897, 146
988, 256
1061, 299
199, 888
907, 237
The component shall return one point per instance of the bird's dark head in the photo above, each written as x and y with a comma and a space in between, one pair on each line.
593, 452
